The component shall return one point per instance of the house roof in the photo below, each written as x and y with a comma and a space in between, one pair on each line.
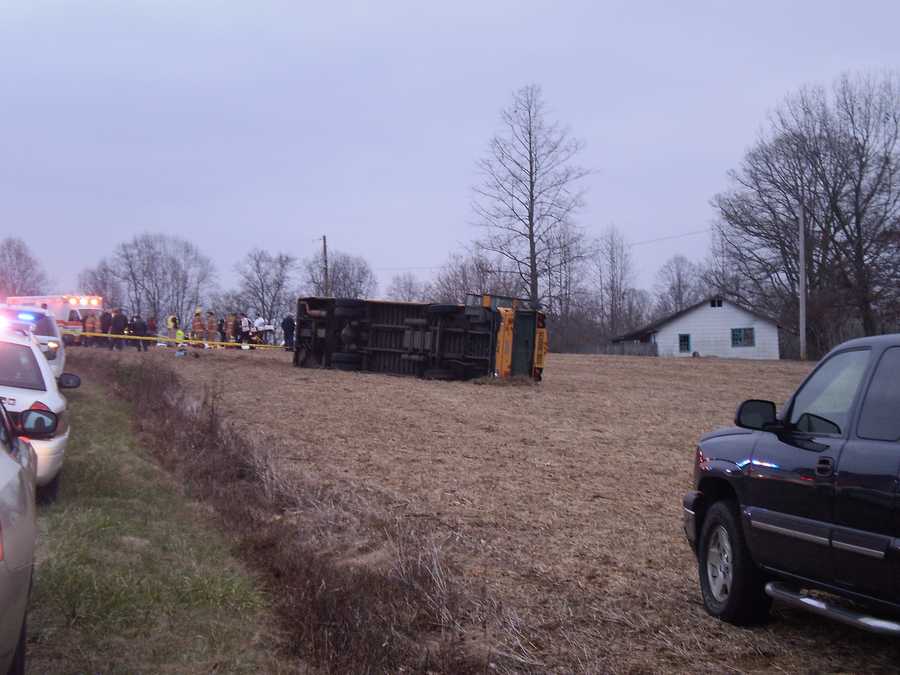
656, 325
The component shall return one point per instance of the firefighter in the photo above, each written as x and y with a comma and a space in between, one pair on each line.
198, 327
211, 326
172, 326
229, 327
117, 327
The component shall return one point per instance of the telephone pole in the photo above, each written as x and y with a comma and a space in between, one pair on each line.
325, 283
802, 268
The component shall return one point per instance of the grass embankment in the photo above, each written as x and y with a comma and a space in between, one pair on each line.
132, 576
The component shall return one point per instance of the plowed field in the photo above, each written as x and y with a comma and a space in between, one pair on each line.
559, 505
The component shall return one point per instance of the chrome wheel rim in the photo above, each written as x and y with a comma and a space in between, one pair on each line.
718, 564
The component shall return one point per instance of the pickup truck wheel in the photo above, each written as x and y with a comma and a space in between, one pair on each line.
733, 587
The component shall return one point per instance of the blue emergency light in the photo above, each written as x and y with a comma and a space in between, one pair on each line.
25, 316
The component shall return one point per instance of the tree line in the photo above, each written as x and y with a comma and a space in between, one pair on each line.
830, 154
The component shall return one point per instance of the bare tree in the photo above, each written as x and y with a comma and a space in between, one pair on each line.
614, 278
529, 189
20, 271
835, 155
406, 287
679, 284
264, 279
163, 275
102, 280
348, 276
471, 273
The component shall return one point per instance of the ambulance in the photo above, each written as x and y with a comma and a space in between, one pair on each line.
70, 311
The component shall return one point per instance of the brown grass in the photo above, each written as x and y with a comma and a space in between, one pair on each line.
555, 509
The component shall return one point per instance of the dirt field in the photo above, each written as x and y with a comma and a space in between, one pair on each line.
559, 505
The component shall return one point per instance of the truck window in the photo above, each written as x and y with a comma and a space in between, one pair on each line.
880, 416
19, 368
825, 399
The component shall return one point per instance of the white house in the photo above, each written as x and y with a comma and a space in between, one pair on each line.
713, 327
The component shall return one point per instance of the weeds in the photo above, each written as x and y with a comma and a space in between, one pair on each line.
345, 618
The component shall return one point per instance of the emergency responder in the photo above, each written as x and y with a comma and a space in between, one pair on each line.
117, 327
287, 327
172, 326
229, 327
90, 326
198, 328
236, 328
138, 328
212, 327
152, 328
245, 329
105, 323
220, 328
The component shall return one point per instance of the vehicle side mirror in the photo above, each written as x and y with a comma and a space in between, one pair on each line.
68, 381
755, 414
38, 423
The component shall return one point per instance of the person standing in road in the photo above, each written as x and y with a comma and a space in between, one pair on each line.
117, 327
139, 329
287, 327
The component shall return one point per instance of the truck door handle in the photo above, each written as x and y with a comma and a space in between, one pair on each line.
825, 466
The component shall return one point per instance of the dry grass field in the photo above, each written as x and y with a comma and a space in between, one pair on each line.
556, 507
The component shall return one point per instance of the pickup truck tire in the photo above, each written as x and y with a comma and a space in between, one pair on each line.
733, 587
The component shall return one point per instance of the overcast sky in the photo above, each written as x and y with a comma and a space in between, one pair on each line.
251, 123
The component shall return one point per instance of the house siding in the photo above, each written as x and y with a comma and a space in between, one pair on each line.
710, 331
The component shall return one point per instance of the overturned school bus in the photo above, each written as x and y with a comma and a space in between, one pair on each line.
489, 335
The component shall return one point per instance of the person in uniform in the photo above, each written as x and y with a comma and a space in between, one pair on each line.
198, 327
211, 327
90, 326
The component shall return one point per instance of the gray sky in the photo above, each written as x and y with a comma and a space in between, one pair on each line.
241, 124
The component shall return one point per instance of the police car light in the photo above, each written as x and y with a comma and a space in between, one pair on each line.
25, 316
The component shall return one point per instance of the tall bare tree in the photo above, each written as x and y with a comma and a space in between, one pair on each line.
20, 272
348, 276
679, 284
530, 189
614, 279
163, 275
467, 273
102, 280
835, 154
406, 287
264, 280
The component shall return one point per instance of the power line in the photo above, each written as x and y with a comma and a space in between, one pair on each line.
671, 236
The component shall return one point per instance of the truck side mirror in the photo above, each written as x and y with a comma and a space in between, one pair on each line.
755, 414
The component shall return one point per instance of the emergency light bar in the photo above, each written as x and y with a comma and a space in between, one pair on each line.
25, 316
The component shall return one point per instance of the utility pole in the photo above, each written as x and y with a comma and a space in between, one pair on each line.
325, 283
802, 268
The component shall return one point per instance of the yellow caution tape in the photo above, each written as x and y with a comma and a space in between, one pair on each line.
168, 340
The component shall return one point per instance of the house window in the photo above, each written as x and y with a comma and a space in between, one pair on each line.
716, 301
684, 343
742, 337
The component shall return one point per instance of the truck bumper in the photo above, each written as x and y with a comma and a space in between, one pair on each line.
689, 506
